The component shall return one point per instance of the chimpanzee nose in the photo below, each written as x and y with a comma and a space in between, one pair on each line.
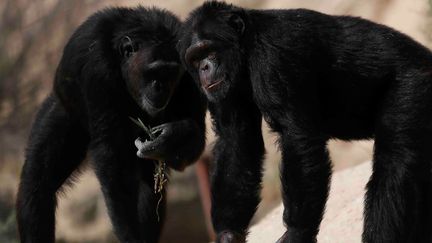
206, 67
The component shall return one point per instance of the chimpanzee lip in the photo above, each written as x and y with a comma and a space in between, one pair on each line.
213, 85
148, 106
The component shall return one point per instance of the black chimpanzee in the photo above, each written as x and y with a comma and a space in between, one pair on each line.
120, 63
313, 77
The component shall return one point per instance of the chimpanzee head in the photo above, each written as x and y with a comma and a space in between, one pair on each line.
150, 64
210, 48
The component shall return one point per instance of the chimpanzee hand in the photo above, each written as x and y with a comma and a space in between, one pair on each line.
171, 144
230, 237
156, 148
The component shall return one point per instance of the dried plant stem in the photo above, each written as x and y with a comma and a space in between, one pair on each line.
160, 175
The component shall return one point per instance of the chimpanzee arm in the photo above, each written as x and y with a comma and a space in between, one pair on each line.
305, 175
236, 178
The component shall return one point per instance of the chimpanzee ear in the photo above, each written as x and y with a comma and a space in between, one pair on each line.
236, 21
126, 46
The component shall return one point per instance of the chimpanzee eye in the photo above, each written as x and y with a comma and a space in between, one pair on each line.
196, 61
212, 56
157, 86
195, 64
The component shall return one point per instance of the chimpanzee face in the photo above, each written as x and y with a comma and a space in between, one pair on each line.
210, 49
151, 71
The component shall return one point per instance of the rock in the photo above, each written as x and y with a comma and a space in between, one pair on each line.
343, 219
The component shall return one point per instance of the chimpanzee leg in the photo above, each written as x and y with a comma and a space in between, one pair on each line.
397, 205
397, 201
56, 147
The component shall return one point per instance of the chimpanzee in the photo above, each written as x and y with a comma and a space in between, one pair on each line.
121, 63
313, 77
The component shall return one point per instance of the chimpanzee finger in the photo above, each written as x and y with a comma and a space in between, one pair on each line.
162, 129
146, 149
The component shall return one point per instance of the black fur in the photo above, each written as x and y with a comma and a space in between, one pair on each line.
120, 63
313, 77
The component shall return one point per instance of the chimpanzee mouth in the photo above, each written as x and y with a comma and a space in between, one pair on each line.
150, 108
213, 85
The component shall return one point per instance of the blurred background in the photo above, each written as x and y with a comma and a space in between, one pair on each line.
32, 36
